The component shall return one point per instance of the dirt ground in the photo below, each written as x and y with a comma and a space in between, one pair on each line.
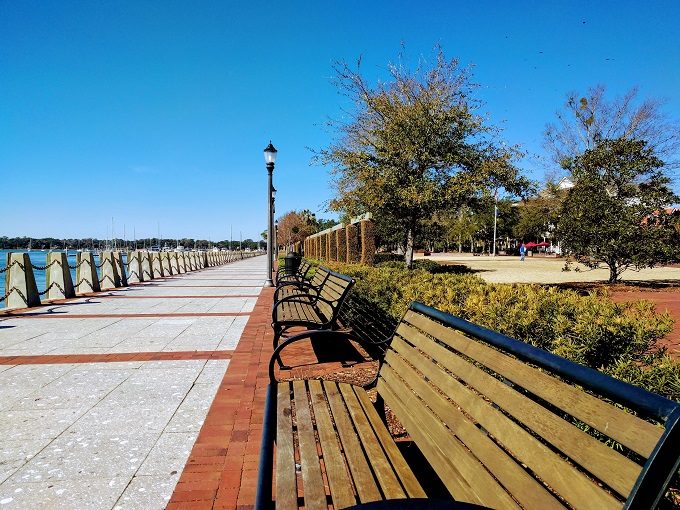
660, 285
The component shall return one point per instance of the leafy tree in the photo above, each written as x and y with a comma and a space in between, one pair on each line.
614, 215
463, 226
414, 145
293, 227
539, 215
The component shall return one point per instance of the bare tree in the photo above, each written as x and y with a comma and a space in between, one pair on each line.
587, 119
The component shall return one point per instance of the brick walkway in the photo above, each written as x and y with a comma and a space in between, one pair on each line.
104, 397
222, 469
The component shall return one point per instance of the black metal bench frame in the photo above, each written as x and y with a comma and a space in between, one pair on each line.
308, 299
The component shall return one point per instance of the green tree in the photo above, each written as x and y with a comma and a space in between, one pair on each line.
615, 214
539, 215
415, 145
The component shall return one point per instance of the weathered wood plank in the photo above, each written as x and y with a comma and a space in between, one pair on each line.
408, 479
364, 482
286, 482
527, 490
312, 481
606, 463
342, 494
389, 483
631, 431
441, 455
561, 476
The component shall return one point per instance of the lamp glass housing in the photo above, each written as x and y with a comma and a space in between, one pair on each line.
270, 154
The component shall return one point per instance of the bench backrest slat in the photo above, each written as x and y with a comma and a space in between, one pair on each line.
319, 276
562, 434
334, 290
634, 433
508, 430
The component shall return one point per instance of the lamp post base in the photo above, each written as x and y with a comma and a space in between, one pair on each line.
268, 282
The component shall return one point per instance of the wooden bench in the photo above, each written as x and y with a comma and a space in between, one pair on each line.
316, 310
312, 286
298, 276
497, 423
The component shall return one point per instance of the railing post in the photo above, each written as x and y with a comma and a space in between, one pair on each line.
20, 287
165, 263
147, 266
204, 260
135, 271
58, 277
87, 279
110, 278
174, 265
181, 263
120, 265
157, 269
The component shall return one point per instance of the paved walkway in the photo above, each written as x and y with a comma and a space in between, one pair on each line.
105, 399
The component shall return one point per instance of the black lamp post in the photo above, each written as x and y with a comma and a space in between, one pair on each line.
270, 159
275, 240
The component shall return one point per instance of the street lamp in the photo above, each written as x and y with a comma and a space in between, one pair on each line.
270, 159
275, 250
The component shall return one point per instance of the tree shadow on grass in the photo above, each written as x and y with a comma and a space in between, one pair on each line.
625, 285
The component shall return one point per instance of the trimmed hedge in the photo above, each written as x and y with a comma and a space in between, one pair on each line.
618, 338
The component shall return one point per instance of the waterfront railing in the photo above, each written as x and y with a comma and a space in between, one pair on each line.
114, 269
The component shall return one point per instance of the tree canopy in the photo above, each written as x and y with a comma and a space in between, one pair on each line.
414, 145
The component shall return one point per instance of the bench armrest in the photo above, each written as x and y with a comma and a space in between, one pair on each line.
325, 334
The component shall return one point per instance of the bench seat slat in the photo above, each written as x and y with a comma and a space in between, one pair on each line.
564, 478
312, 481
387, 479
526, 489
403, 471
364, 482
338, 478
631, 431
286, 480
449, 458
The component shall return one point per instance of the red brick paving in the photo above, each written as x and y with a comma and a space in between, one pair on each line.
665, 300
221, 472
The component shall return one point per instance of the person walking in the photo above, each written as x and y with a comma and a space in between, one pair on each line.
522, 252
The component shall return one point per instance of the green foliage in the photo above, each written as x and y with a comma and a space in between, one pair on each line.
415, 144
621, 339
614, 215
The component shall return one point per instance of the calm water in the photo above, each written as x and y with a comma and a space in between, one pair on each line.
38, 258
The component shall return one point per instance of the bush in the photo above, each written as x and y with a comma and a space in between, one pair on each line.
617, 338
387, 257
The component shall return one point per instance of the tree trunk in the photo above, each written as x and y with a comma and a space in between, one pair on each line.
613, 272
408, 254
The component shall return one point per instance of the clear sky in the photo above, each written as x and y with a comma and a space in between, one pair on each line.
157, 112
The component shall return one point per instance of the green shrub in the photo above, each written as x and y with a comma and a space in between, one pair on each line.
387, 257
618, 338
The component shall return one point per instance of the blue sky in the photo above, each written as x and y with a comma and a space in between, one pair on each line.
157, 112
